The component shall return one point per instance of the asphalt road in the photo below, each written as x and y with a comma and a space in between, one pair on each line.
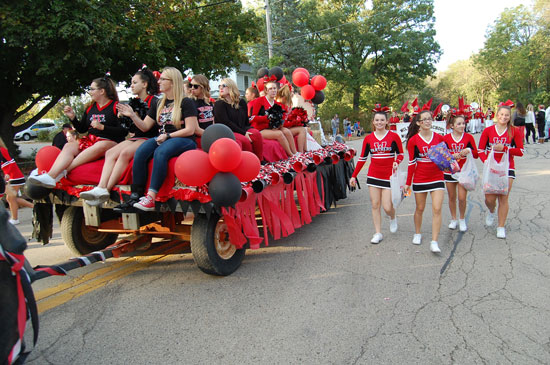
322, 295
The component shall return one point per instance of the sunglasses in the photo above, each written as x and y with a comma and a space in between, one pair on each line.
222, 86
164, 79
194, 86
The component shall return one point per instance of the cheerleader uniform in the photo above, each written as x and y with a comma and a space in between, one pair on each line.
106, 115
256, 112
422, 172
384, 152
466, 141
10, 168
393, 123
513, 144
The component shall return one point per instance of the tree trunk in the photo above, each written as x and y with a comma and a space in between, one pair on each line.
7, 132
356, 95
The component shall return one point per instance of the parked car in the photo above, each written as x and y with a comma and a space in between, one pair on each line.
32, 132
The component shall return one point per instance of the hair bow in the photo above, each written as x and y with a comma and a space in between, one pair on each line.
508, 102
380, 108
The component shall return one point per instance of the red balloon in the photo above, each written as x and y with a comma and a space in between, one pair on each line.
307, 92
260, 84
301, 69
249, 168
46, 157
300, 79
193, 168
225, 154
319, 82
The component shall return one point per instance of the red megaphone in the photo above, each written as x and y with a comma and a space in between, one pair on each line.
246, 193
275, 178
334, 157
298, 166
317, 159
348, 156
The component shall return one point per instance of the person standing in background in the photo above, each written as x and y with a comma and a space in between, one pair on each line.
61, 138
547, 124
540, 120
530, 124
335, 124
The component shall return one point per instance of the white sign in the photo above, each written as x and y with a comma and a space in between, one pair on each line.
437, 127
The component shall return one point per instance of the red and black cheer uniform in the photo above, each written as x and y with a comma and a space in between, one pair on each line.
393, 123
385, 152
152, 132
106, 115
256, 112
512, 144
422, 172
10, 168
454, 146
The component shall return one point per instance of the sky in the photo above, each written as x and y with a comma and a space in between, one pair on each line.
461, 26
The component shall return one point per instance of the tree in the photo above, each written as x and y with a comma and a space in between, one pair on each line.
376, 53
54, 48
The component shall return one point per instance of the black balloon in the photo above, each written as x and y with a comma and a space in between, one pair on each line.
225, 189
36, 192
319, 97
277, 71
262, 72
214, 132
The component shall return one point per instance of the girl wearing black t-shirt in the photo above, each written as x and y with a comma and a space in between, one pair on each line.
232, 111
104, 130
176, 119
145, 86
200, 89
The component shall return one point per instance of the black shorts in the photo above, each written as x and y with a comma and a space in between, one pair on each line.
512, 173
426, 187
378, 183
449, 178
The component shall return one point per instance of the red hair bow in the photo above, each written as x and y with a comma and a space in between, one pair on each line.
428, 106
405, 107
508, 102
380, 108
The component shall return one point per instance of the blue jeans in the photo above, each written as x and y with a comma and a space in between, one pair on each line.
334, 131
546, 127
172, 147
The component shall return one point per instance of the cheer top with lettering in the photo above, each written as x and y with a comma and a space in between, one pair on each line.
421, 169
384, 152
205, 113
513, 144
465, 141
165, 122
10, 168
107, 116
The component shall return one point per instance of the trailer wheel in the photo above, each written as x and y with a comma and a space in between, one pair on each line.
212, 251
78, 237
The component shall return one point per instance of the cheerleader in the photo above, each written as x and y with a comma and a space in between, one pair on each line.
104, 130
502, 137
284, 96
386, 150
424, 175
14, 180
460, 144
145, 86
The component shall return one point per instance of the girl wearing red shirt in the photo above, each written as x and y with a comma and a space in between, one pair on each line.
386, 152
460, 144
501, 137
424, 175
14, 180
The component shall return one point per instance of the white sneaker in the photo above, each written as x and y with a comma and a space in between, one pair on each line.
501, 232
434, 247
94, 202
96, 193
14, 221
376, 238
44, 180
462, 225
417, 239
452, 224
393, 225
490, 219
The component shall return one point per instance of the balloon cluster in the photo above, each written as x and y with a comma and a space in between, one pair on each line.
221, 163
311, 89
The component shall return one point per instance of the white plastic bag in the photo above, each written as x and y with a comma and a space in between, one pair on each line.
397, 183
495, 174
468, 175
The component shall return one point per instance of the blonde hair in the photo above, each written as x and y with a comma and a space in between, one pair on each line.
203, 81
234, 93
284, 96
177, 86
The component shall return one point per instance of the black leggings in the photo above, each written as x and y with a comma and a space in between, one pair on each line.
541, 130
530, 127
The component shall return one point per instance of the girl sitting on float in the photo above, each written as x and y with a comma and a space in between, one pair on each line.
145, 86
259, 120
104, 130
284, 96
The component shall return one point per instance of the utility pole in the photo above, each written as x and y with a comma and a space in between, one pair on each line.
268, 25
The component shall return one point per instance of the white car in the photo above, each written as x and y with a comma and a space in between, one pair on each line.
32, 131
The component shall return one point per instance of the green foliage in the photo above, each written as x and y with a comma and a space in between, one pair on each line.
54, 48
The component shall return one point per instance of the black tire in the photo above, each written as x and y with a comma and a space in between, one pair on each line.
212, 255
80, 239
26, 137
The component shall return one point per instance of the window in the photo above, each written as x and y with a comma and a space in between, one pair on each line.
246, 82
